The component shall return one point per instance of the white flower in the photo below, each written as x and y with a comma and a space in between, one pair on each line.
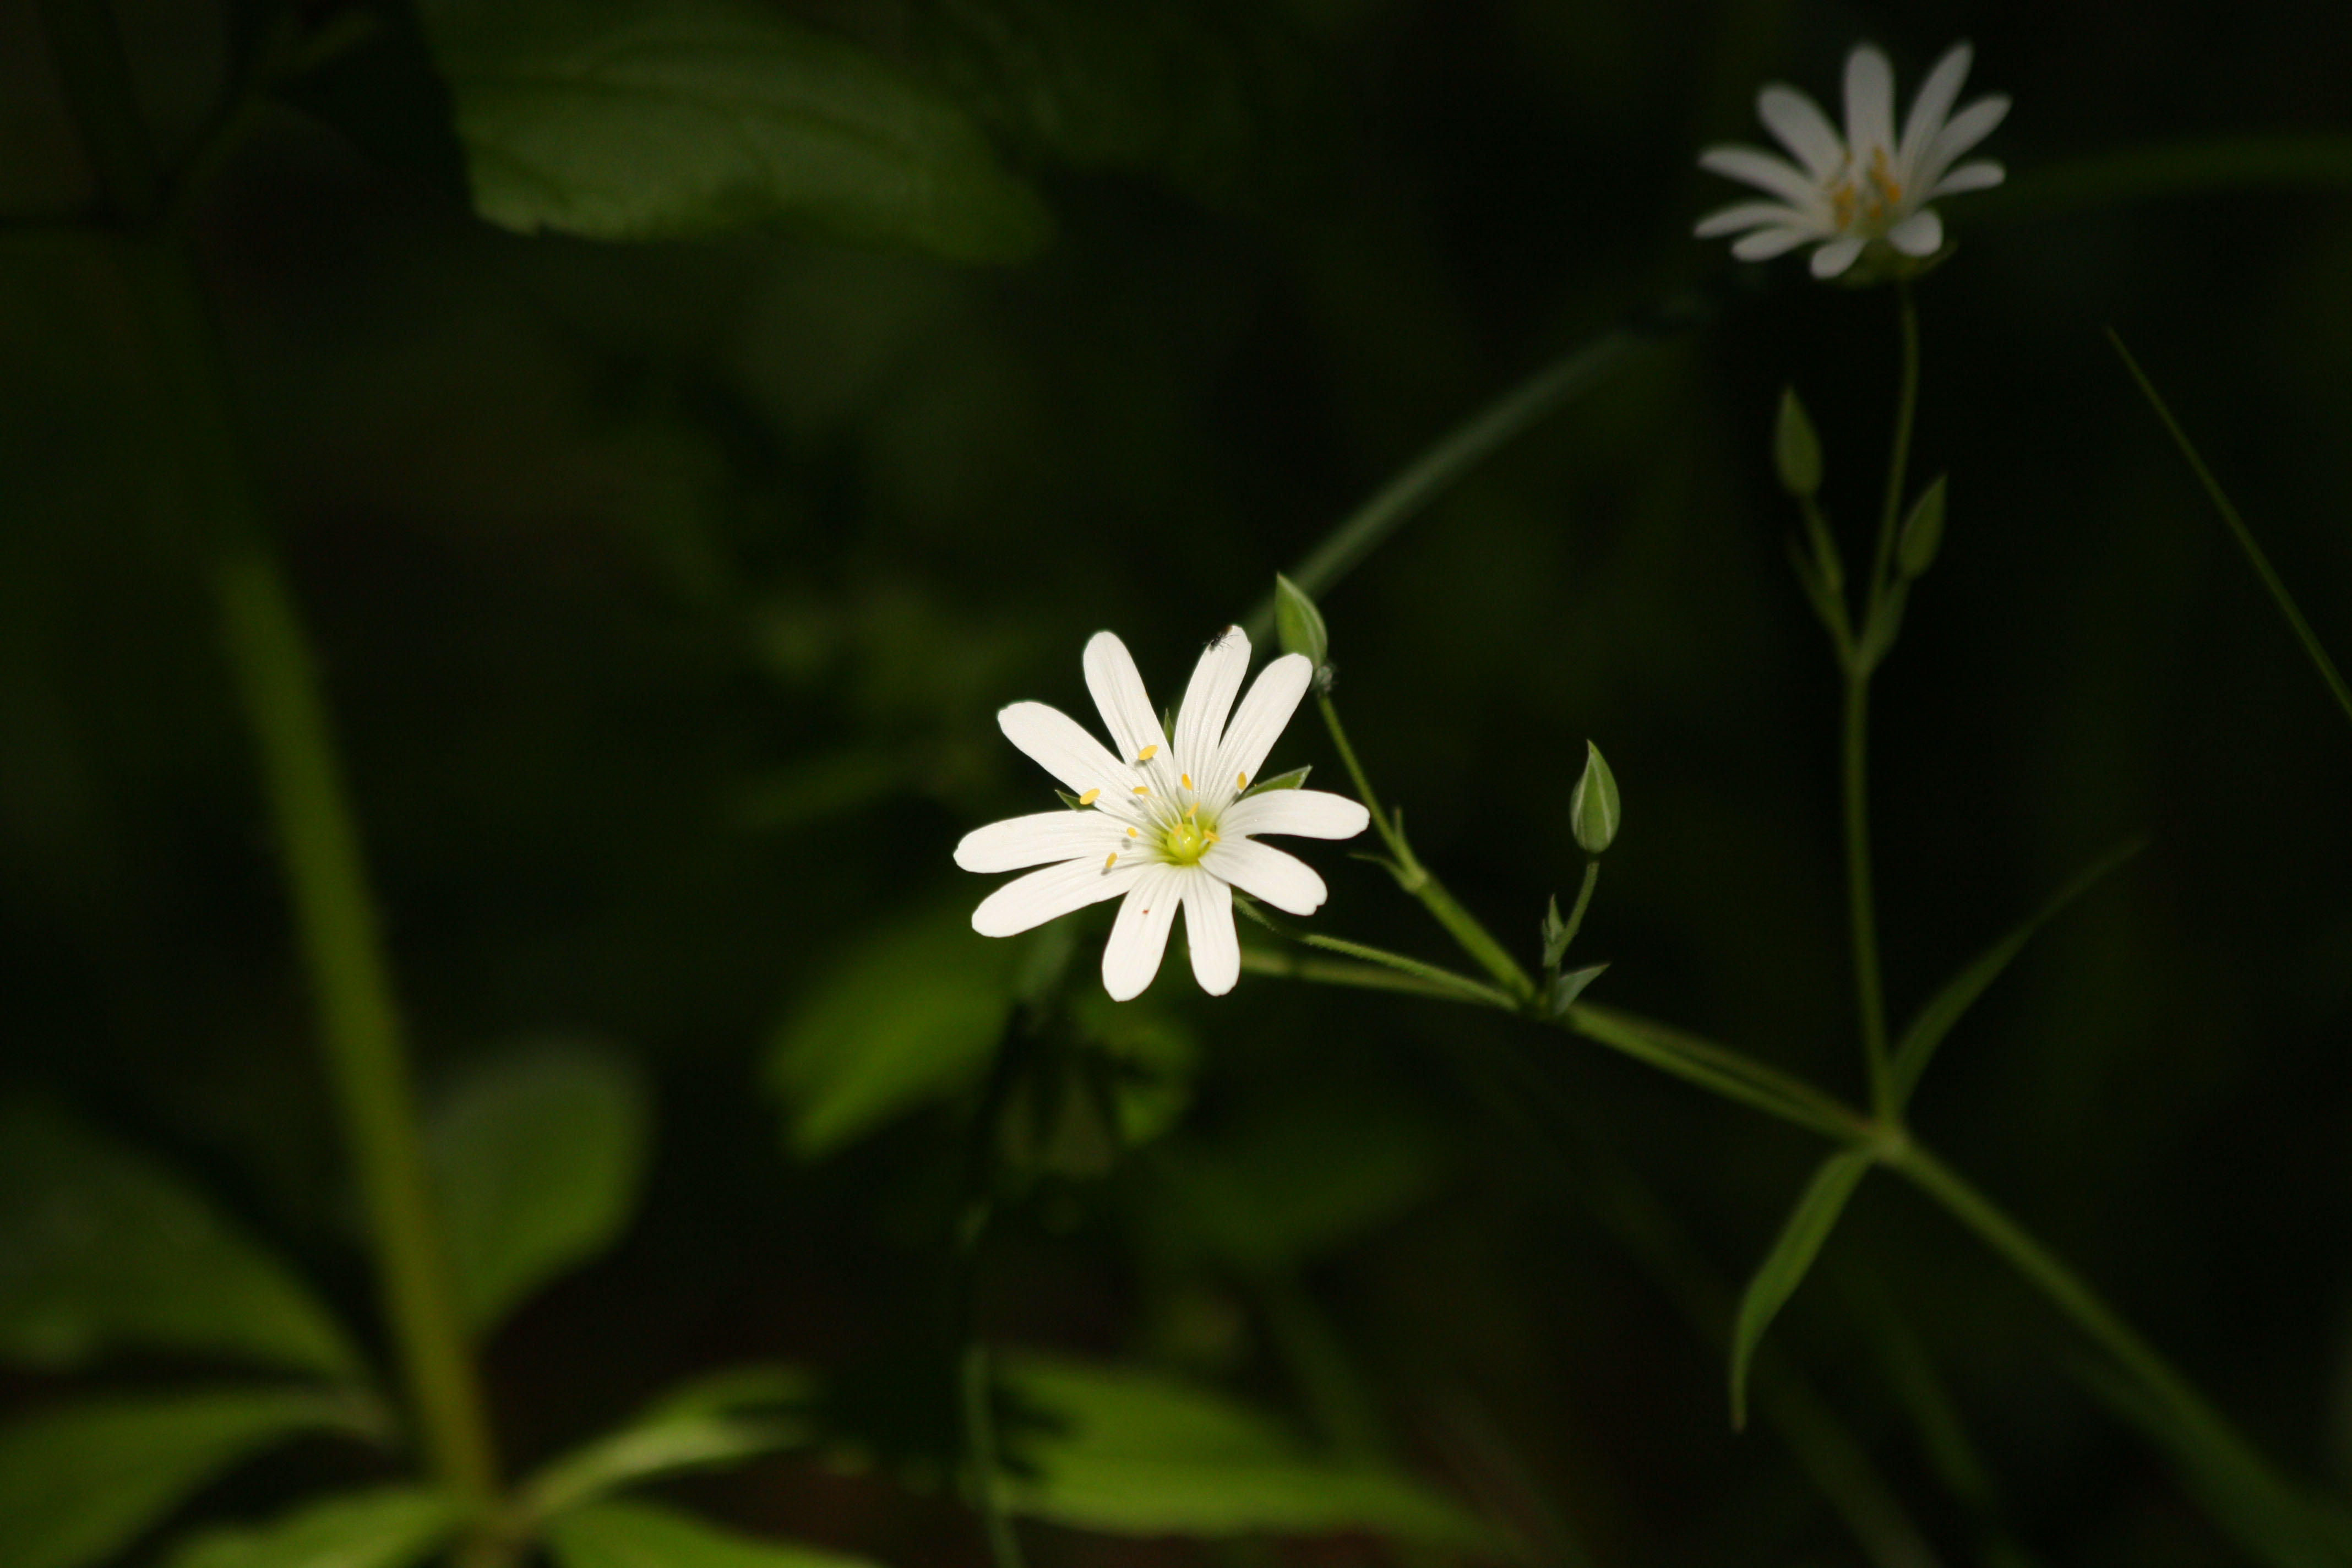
1163, 823
1868, 186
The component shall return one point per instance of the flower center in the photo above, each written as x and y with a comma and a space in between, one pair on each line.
1873, 199
1187, 840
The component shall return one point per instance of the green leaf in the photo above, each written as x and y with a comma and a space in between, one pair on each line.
1926, 1031
1796, 449
1295, 1187
1131, 1452
1566, 989
1783, 1269
711, 1421
628, 119
646, 1535
78, 1484
1295, 779
1886, 623
101, 1247
395, 1527
907, 1015
1298, 624
1923, 531
538, 1157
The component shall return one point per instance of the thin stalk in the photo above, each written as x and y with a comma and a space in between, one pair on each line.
1459, 985
1870, 998
2244, 535
1356, 976
277, 679
1907, 408
1556, 950
976, 1395
1422, 883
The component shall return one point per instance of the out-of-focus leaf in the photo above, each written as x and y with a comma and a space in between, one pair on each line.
78, 1484
101, 1247
710, 1421
906, 1015
1283, 1194
1783, 1269
538, 1157
1926, 1031
1131, 1452
1152, 1057
666, 119
390, 1527
645, 1535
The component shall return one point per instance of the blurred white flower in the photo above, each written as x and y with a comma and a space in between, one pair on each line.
1844, 193
1161, 823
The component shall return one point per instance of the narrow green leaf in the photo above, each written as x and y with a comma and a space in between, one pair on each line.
538, 1157
906, 1015
1570, 985
80, 1483
1133, 1452
2244, 535
663, 1445
396, 1526
1917, 1045
1796, 449
646, 1535
1885, 624
1295, 779
627, 120
1783, 1269
1923, 531
101, 1247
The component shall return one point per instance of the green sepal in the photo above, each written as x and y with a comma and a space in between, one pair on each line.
1567, 987
1295, 779
1796, 449
1886, 623
1554, 932
1923, 531
1069, 800
1298, 624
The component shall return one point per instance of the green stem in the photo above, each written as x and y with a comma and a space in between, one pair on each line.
975, 1387
278, 681
2244, 535
1422, 883
1862, 900
1445, 980
1573, 924
1356, 976
1907, 408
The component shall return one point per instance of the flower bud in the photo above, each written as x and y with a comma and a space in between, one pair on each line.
1593, 808
1298, 624
1923, 531
1796, 450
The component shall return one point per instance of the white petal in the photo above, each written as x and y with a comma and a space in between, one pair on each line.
1761, 170
1119, 691
1020, 841
1139, 935
1802, 128
1767, 243
1041, 896
1748, 215
1265, 872
1059, 744
1869, 101
1209, 932
1835, 256
1965, 128
1982, 174
1921, 234
1257, 725
1936, 95
1201, 721
1305, 813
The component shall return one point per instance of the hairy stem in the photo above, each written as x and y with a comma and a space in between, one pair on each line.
277, 679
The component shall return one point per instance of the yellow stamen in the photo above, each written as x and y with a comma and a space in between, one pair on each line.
1130, 833
1211, 835
1110, 860
1140, 789
1841, 205
1185, 779
1882, 175
1088, 799
1241, 781
1145, 754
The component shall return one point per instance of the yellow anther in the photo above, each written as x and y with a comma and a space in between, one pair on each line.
1841, 205
1088, 799
1109, 859
1145, 754
1241, 781
1185, 779
1882, 175
1140, 789
1130, 833
1211, 835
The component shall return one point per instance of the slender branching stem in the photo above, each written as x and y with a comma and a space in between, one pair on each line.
1898, 462
976, 1390
277, 677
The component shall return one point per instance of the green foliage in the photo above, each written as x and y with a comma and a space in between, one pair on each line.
538, 1157
712, 1420
1796, 449
1294, 779
1567, 987
1298, 622
905, 1016
394, 1527
1783, 1269
102, 1248
1917, 1045
646, 1535
1923, 531
1133, 1452
78, 1483
625, 120
1295, 1188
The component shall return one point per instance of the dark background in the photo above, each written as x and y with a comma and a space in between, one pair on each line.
666, 593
